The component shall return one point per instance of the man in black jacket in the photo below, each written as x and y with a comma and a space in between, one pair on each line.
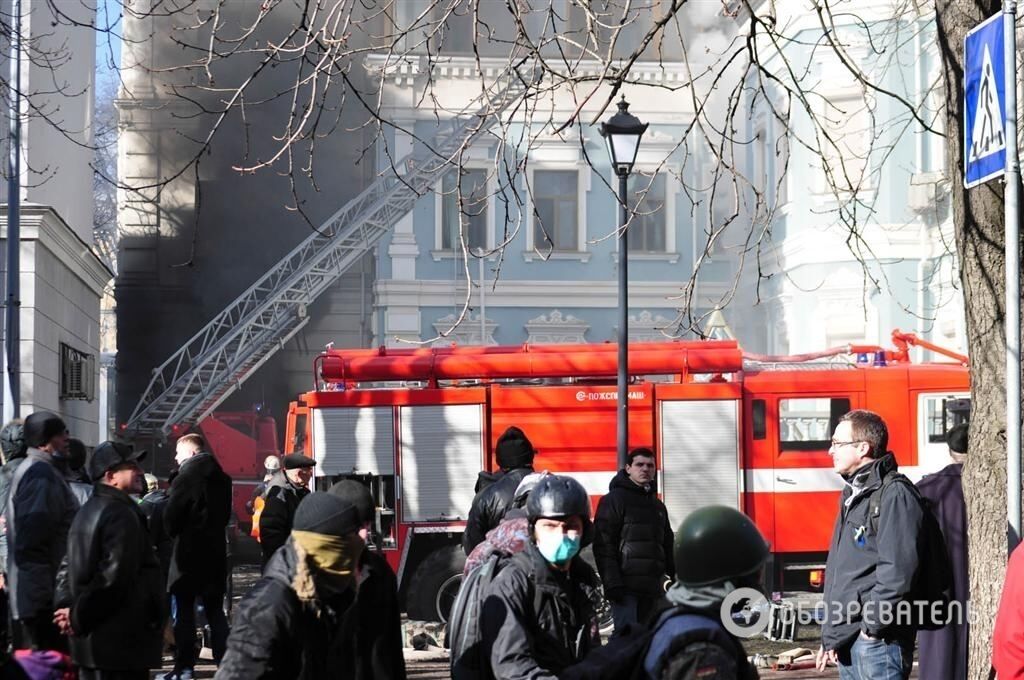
290, 626
871, 561
514, 454
284, 492
196, 518
116, 595
538, 614
633, 541
39, 511
372, 628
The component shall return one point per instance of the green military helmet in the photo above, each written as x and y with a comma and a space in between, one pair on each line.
717, 543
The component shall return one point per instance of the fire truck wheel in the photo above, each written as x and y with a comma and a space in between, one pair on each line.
435, 583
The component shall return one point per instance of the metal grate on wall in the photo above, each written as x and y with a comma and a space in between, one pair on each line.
699, 443
354, 440
441, 451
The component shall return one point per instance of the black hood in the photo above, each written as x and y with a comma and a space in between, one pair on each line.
622, 481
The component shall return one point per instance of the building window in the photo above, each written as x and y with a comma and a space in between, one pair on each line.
848, 125
646, 233
556, 200
472, 220
77, 374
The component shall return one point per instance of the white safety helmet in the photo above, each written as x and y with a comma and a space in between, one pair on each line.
272, 463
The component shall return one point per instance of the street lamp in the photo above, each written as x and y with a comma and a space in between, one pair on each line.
622, 136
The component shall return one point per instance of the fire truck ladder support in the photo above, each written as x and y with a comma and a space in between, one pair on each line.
223, 354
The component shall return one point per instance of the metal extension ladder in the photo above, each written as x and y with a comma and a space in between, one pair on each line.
235, 343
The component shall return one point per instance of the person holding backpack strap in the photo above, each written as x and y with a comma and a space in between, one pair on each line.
873, 558
717, 550
539, 613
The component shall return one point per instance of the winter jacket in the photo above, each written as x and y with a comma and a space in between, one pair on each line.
536, 621
489, 507
865, 573
632, 539
943, 652
39, 513
281, 499
153, 505
278, 634
6, 476
1008, 635
117, 591
196, 516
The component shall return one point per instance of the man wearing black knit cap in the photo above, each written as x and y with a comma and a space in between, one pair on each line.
39, 511
284, 492
290, 625
514, 454
371, 630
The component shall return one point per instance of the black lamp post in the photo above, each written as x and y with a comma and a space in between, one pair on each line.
622, 135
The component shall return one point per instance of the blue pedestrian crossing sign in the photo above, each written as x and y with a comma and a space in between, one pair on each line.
984, 103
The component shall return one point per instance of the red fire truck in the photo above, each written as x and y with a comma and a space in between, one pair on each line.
752, 432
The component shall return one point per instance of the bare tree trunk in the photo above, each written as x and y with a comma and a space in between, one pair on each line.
978, 218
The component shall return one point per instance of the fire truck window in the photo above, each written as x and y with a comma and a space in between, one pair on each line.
807, 424
299, 442
943, 414
758, 418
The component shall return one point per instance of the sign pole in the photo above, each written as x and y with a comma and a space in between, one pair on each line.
1011, 199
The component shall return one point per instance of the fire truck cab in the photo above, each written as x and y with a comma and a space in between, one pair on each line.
418, 425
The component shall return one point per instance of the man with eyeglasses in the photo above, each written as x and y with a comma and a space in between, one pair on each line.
872, 560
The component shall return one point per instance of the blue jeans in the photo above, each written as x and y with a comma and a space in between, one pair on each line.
877, 660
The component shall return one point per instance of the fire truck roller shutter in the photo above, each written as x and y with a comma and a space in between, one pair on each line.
699, 443
441, 452
354, 440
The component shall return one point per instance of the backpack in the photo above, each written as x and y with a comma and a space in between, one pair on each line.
932, 589
624, 655
464, 636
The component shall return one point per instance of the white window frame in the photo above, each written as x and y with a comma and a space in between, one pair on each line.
582, 189
671, 254
836, 100
440, 253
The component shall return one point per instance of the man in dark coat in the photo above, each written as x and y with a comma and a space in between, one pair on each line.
196, 518
633, 541
284, 492
39, 511
538, 615
942, 653
514, 454
290, 626
871, 561
371, 636
73, 469
153, 505
116, 596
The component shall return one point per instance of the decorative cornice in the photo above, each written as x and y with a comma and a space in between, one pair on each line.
406, 70
43, 224
556, 328
468, 331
